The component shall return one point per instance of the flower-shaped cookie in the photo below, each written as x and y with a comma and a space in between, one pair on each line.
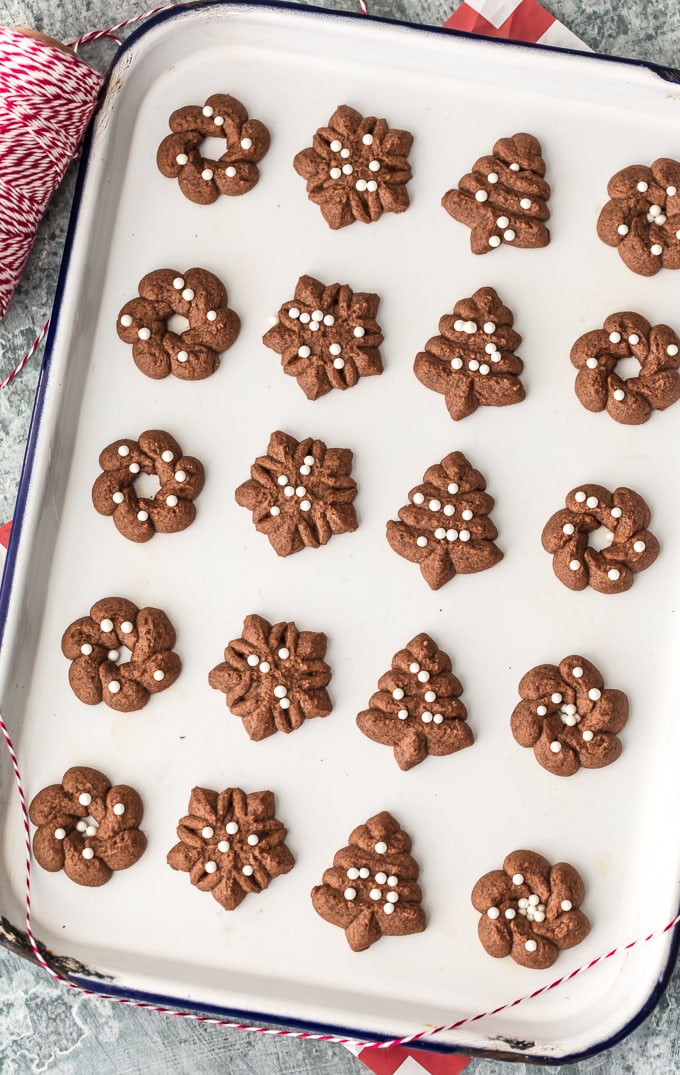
274, 677
597, 354
235, 171
642, 217
171, 509
530, 909
200, 299
94, 645
568, 716
87, 828
621, 519
504, 198
300, 493
327, 336
472, 361
417, 709
356, 168
370, 891
231, 844
445, 528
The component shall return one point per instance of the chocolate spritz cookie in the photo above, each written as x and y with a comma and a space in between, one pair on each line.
235, 171
87, 828
300, 493
94, 645
504, 198
445, 528
642, 217
231, 844
171, 509
198, 297
371, 889
417, 708
274, 677
569, 717
327, 336
597, 354
356, 168
620, 519
472, 361
530, 910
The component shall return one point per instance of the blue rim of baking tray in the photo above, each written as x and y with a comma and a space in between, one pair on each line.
514, 1050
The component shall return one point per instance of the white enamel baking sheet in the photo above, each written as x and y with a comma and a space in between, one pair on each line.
149, 929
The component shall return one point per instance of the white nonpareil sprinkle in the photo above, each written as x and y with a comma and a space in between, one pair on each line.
514, 167
231, 827
672, 350
182, 356
492, 177
525, 203
402, 714
555, 746
568, 529
509, 235
414, 667
493, 912
622, 229
284, 703
616, 513
142, 516
159, 675
421, 541
252, 659
502, 222
247, 871
367, 139
657, 249
113, 655
60, 834
207, 832
284, 653
541, 710
456, 363
594, 694
144, 333
388, 908
591, 363
182, 159
614, 574
167, 456
566, 905
577, 672
530, 945
435, 505
280, 691
335, 173
207, 174
481, 196
253, 839
380, 847
265, 666
171, 501
592, 502
219, 121
580, 497
615, 337
510, 913
230, 171
556, 698
495, 240
350, 893
85, 798
619, 394
574, 565
118, 498
642, 186
114, 686
452, 488
518, 879
639, 546
106, 626
397, 694
211, 315
246, 143
86, 649
364, 872
88, 853
633, 339
119, 809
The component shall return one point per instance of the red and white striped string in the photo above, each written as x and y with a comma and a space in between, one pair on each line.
408, 1039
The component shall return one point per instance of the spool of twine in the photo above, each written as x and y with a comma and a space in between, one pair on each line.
47, 97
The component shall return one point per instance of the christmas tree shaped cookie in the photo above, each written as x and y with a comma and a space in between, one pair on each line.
504, 198
445, 527
472, 361
370, 891
417, 709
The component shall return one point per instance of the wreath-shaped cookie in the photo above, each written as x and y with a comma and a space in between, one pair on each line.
87, 828
98, 672
642, 217
568, 716
197, 296
171, 509
530, 909
623, 518
235, 171
627, 335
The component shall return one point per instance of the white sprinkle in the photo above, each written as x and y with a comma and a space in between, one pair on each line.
464, 535
388, 908
231, 827
284, 703
182, 356
246, 143
566, 905
530, 945
118, 498
352, 873
639, 546
85, 798
252, 659
642, 186
375, 894
574, 565
119, 809
208, 110
555, 746
502, 222
392, 897
188, 294
336, 146
592, 502
510, 913
182, 159
580, 497
280, 691
672, 350
525, 203
622, 229
492, 177
541, 710
473, 364
514, 167
207, 832
60, 834
219, 121
367, 139
452, 488
289, 490
88, 853
282, 479
592, 363
435, 505
350, 893
587, 736
113, 655
159, 675
392, 880
300, 491
347, 169
106, 626
421, 541
223, 846
126, 320
657, 249
577, 671
518, 879
398, 694
380, 847
144, 333
265, 667
615, 337
171, 501
304, 351
568, 529
81, 826
418, 498
364, 872
339, 363
614, 575
207, 174
361, 185
449, 509
481, 196
594, 694
381, 877
371, 186
556, 698
142, 516
335, 173
91, 830
374, 166
426, 717
253, 839
402, 714
247, 871
114, 686
509, 235
619, 394
414, 667
430, 696
616, 513
335, 349
344, 153
86, 649
456, 363
467, 515
495, 240
452, 535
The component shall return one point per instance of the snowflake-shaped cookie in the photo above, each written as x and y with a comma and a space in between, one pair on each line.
471, 362
300, 493
642, 218
530, 910
231, 844
568, 716
417, 709
370, 891
274, 677
445, 528
327, 336
356, 168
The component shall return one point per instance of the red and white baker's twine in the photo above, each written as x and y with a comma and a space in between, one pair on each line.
409, 1039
